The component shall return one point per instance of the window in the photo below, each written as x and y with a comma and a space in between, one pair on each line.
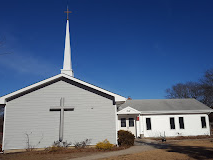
131, 122
172, 123
148, 124
181, 122
123, 122
203, 122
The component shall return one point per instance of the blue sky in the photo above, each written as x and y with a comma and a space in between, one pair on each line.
133, 48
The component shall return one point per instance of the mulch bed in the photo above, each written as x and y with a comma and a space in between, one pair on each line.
60, 154
77, 150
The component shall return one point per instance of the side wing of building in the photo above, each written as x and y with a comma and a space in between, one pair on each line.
165, 117
175, 125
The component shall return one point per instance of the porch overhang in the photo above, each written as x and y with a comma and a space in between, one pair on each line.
128, 110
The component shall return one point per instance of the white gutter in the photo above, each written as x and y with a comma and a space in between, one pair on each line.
178, 111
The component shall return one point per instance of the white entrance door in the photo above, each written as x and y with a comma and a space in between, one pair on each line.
128, 124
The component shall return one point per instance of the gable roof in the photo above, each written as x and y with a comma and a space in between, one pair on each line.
62, 75
156, 106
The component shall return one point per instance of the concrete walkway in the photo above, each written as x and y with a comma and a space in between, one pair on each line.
140, 146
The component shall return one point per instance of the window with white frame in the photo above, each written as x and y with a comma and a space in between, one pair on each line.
181, 122
123, 122
203, 122
172, 123
148, 124
131, 122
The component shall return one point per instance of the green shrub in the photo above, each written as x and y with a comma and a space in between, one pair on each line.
104, 145
125, 138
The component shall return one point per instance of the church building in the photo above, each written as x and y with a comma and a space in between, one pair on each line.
64, 108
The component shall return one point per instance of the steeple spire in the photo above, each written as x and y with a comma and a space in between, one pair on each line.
67, 67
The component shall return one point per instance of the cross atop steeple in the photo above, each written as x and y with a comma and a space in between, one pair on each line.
67, 66
67, 11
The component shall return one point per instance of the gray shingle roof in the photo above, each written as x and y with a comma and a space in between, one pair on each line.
165, 105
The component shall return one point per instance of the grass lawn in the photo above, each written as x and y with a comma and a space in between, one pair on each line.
176, 150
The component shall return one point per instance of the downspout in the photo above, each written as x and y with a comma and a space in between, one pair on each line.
116, 125
210, 128
139, 124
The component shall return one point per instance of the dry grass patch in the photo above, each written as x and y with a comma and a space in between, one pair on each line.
177, 150
157, 154
194, 143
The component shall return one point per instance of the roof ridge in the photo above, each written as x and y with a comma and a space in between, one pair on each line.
162, 99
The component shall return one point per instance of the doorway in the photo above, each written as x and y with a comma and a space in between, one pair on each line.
127, 123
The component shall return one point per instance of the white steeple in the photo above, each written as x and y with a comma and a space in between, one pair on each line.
67, 66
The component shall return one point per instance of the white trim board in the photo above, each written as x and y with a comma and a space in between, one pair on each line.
128, 110
177, 111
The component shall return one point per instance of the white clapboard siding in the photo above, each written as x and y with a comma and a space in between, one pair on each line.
160, 124
92, 118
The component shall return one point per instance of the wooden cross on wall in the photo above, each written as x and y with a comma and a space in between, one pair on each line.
61, 108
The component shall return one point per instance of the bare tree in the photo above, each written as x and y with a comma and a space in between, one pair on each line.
202, 90
184, 90
207, 88
2, 43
